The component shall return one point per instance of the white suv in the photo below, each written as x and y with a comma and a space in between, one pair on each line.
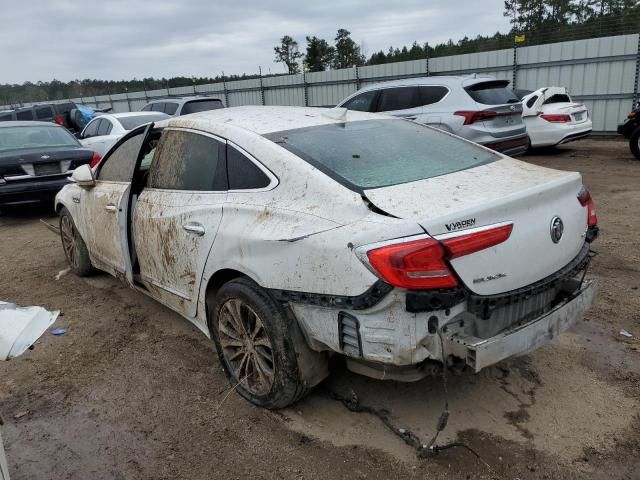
480, 109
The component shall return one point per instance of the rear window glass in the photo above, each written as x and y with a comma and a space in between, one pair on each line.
17, 138
377, 153
129, 123
492, 93
399, 98
200, 106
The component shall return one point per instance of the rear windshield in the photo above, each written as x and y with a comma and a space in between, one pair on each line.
558, 98
195, 106
129, 123
492, 93
18, 138
377, 153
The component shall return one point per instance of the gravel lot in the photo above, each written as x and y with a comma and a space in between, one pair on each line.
133, 391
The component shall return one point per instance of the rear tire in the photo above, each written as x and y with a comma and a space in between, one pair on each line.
634, 143
257, 345
75, 250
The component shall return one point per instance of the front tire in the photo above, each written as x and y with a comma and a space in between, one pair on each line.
253, 337
75, 250
634, 143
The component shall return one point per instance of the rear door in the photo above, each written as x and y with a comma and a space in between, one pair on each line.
177, 215
104, 207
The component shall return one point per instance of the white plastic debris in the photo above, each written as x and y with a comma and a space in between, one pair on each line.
20, 327
62, 273
624, 333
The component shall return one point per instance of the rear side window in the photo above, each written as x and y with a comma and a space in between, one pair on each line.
158, 107
105, 127
492, 93
362, 102
188, 161
146, 108
376, 153
24, 115
243, 173
92, 129
558, 98
44, 113
399, 98
434, 94
170, 108
531, 101
118, 167
196, 106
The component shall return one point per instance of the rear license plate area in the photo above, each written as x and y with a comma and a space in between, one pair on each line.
49, 168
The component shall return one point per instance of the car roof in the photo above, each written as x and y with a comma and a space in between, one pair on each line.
446, 80
267, 119
25, 123
131, 114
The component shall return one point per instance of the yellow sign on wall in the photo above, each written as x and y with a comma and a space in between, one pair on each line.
520, 38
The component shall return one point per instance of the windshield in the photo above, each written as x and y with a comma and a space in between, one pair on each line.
377, 153
18, 138
129, 123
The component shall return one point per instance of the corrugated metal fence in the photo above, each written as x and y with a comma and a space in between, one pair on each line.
601, 72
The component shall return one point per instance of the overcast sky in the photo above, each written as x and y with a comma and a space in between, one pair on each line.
123, 39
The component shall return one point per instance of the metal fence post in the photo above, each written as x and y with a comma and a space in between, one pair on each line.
515, 65
226, 93
636, 83
357, 78
126, 94
261, 86
426, 51
304, 86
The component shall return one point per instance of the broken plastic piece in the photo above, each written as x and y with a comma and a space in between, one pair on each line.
20, 327
59, 331
624, 333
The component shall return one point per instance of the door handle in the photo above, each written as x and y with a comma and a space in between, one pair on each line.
193, 227
111, 208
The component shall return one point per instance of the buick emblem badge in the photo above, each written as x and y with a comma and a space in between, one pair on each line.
44, 157
557, 229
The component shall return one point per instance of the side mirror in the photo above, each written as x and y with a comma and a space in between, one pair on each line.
83, 176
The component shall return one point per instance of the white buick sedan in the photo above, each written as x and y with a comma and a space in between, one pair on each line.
291, 234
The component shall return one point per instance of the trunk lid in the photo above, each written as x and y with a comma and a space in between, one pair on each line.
503, 191
40, 162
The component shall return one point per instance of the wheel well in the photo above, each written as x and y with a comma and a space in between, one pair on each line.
215, 282
59, 207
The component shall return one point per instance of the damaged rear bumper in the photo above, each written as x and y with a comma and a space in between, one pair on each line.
480, 353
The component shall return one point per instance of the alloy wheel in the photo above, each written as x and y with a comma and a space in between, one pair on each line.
246, 346
69, 240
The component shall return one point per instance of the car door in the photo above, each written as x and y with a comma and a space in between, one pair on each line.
177, 215
104, 207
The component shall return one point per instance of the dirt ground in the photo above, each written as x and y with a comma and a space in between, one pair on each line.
133, 391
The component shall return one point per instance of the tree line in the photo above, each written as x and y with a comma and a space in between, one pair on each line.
539, 21
534, 21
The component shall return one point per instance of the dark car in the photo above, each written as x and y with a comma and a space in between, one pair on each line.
631, 129
36, 160
59, 113
177, 106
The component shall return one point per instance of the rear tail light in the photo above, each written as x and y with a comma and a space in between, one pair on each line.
95, 160
556, 118
423, 264
631, 115
59, 120
584, 197
472, 116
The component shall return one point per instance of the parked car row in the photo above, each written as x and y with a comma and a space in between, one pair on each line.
290, 234
481, 109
